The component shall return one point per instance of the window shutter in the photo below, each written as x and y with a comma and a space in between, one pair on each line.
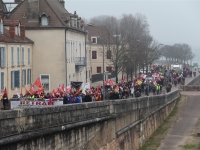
12, 77
28, 56
12, 56
19, 78
30, 76
16, 78
18, 56
1, 56
22, 55
4, 55
24, 76
2, 81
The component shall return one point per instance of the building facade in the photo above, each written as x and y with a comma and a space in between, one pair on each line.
16, 57
99, 53
59, 41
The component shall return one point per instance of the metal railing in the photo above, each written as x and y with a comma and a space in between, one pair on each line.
80, 61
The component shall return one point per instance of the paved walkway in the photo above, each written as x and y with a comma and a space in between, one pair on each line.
181, 130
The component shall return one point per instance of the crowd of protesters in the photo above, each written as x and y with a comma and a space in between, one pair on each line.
159, 81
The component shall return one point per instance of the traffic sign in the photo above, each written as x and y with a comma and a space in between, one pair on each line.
195, 65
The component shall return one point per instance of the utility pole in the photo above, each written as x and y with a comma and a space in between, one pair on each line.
103, 66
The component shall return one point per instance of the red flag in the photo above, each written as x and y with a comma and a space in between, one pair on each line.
106, 82
5, 91
124, 79
99, 89
40, 90
77, 91
111, 82
38, 83
53, 93
32, 90
143, 76
63, 88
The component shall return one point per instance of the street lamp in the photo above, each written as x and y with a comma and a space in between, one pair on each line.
103, 66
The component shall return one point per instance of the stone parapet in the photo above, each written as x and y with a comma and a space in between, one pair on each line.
74, 120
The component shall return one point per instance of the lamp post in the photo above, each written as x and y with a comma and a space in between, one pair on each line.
103, 66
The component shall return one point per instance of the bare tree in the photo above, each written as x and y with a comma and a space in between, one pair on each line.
178, 53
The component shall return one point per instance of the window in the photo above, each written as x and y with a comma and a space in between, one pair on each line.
18, 56
1, 27
23, 56
3, 56
108, 54
15, 79
23, 76
44, 20
18, 30
109, 69
94, 54
29, 58
45, 82
94, 40
12, 56
29, 76
2, 81
98, 69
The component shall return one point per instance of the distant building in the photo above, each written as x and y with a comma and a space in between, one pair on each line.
16, 57
59, 41
99, 38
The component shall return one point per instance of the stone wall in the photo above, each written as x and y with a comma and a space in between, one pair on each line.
123, 124
195, 81
193, 85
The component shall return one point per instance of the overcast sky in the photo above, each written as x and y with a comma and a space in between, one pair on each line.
170, 21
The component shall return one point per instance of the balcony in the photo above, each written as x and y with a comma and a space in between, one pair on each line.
80, 61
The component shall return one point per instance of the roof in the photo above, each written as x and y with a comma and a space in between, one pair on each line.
3, 6
57, 14
6, 38
97, 31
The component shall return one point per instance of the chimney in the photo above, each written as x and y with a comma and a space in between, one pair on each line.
12, 31
62, 2
22, 31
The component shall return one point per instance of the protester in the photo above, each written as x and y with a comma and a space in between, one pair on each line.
4, 100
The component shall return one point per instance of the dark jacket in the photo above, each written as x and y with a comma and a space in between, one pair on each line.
88, 98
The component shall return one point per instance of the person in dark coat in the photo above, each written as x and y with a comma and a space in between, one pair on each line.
88, 98
5, 101
194, 73
169, 86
